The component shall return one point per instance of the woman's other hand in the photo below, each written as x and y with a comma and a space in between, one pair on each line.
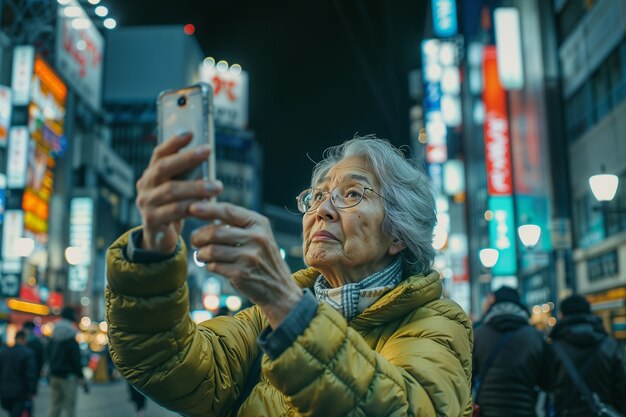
241, 247
163, 202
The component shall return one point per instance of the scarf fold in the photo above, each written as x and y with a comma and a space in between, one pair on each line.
352, 299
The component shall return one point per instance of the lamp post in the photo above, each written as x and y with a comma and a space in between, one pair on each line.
529, 235
604, 187
488, 259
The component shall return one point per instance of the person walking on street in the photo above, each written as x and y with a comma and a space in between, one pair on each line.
65, 365
511, 358
597, 357
17, 376
35, 344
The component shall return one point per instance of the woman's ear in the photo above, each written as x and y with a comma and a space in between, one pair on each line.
396, 247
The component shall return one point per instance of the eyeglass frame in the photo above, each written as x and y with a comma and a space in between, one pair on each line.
331, 197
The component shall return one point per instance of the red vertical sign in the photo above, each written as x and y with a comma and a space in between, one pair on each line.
497, 141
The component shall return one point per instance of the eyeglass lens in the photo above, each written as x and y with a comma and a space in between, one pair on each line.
342, 196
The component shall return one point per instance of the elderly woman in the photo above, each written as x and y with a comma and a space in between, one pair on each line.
362, 331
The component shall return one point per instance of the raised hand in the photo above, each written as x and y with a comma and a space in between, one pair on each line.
241, 247
163, 202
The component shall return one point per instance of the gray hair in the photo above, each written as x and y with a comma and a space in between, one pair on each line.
409, 203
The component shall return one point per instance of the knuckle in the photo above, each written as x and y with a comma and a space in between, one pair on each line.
140, 201
260, 239
169, 191
159, 168
210, 251
149, 218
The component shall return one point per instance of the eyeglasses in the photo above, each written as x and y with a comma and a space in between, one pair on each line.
342, 196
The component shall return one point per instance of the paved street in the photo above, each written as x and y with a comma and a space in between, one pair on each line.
104, 400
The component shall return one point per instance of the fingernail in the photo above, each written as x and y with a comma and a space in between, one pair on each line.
202, 149
184, 134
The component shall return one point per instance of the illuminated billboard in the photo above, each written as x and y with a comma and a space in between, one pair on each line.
46, 114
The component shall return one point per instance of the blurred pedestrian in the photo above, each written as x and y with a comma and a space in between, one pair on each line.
511, 358
138, 399
17, 377
65, 365
579, 338
35, 344
363, 330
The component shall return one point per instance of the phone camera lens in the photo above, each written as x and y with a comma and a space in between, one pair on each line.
182, 100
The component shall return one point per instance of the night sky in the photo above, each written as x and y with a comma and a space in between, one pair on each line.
319, 71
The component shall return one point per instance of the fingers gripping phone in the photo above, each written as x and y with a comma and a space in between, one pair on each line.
189, 109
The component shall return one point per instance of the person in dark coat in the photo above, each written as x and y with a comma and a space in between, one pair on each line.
34, 343
17, 376
598, 357
65, 365
522, 364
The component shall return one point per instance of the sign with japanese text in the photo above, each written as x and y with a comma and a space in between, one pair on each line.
17, 157
23, 58
230, 96
79, 53
444, 18
497, 140
81, 236
502, 235
6, 107
11, 232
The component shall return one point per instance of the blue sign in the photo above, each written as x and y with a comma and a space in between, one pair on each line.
2, 204
502, 235
444, 18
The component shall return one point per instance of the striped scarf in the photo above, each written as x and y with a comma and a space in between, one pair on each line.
352, 299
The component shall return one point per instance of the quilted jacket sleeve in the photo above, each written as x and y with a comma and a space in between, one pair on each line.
194, 370
423, 369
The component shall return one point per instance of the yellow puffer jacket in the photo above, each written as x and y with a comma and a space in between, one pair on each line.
409, 354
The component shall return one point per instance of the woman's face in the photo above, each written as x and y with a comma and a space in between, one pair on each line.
347, 245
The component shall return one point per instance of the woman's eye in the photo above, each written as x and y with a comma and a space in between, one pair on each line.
353, 194
318, 195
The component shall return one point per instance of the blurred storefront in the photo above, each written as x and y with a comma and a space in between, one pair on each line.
506, 55
53, 139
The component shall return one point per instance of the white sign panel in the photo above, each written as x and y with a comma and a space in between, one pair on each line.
5, 114
230, 96
17, 157
114, 169
79, 53
12, 231
509, 47
81, 234
23, 60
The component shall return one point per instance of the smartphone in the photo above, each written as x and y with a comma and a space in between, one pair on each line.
189, 109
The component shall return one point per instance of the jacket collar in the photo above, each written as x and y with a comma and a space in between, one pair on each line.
579, 329
411, 293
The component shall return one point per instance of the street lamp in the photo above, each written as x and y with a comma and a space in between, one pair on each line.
529, 235
604, 186
488, 257
74, 255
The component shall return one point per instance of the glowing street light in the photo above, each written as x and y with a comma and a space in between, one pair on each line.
604, 186
488, 257
529, 234
74, 255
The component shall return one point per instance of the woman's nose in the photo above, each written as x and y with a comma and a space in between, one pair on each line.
326, 209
